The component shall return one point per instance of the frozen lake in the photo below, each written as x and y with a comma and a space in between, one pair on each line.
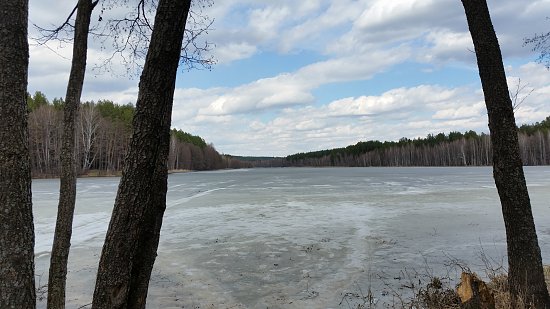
295, 237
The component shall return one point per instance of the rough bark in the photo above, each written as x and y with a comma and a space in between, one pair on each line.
17, 288
525, 273
132, 238
67, 190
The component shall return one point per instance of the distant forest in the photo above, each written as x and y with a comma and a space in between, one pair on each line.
103, 133
453, 149
104, 130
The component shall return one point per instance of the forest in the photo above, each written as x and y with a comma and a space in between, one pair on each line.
452, 149
104, 129
102, 135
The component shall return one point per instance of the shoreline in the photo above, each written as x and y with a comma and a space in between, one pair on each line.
102, 174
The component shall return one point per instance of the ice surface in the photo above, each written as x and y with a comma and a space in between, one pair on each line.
295, 237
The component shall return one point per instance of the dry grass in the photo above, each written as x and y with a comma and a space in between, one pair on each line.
100, 173
436, 295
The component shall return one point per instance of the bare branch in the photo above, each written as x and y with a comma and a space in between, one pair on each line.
129, 37
540, 43
123, 31
516, 95
53, 34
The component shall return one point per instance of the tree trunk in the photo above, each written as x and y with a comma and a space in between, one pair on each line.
525, 273
89, 124
17, 288
67, 190
132, 238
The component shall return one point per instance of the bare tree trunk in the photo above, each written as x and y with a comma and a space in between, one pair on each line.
132, 238
89, 124
525, 273
67, 191
17, 288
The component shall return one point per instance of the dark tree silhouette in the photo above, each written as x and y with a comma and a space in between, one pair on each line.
67, 191
16, 222
525, 272
132, 239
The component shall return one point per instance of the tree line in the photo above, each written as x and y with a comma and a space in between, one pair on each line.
103, 130
452, 149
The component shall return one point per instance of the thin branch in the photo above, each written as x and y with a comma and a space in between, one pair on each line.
127, 37
515, 95
540, 43
53, 33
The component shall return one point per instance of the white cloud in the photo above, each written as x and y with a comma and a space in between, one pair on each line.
445, 46
402, 112
357, 40
400, 99
48, 72
461, 112
234, 51
290, 89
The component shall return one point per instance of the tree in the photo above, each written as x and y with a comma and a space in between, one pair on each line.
132, 30
525, 272
541, 44
129, 36
89, 124
39, 99
132, 239
16, 222
44, 128
67, 190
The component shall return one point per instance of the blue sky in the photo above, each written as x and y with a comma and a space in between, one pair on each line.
295, 76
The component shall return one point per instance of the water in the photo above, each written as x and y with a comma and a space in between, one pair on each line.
297, 237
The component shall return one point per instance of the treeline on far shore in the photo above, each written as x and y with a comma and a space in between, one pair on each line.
103, 132
453, 149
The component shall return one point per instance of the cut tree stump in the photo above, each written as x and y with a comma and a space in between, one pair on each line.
474, 293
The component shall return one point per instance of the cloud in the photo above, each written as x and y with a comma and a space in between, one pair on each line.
445, 46
396, 16
320, 27
352, 41
410, 112
534, 84
402, 112
461, 112
259, 95
399, 99
289, 89
48, 72
234, 51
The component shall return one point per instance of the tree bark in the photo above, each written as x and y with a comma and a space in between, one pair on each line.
132, 239
67, 190
17, 288
525, 273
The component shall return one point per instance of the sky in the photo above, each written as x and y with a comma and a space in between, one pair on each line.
297, 76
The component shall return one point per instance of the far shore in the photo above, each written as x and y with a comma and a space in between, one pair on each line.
98, 173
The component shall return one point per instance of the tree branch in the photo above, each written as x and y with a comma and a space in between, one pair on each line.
53, 34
